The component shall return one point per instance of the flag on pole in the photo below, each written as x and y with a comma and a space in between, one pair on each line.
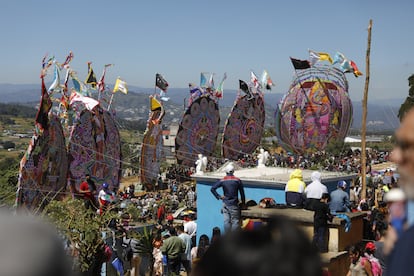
101, 82
219, 90
356, 71
91, 78
154, 104
203, 79
77, 84
300, 64
56, 79
42, 118
68, 59
338, 58
89, 102
161, 83
244, 87
120, 85
211, 81
317, 56
254, 79
267, 81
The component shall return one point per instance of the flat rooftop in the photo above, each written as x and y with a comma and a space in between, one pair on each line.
271, 174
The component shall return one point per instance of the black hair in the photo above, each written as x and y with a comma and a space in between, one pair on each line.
278, 248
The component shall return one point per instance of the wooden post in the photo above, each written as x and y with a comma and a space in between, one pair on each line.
364, 117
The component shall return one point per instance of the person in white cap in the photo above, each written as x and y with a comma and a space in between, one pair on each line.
231, 210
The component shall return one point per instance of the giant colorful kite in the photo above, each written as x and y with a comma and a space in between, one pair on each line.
151, 151
316, 110
90, 143
243, 129
199, 126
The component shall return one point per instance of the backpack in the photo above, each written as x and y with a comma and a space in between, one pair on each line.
375, 264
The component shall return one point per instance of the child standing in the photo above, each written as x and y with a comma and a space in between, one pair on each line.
320, 222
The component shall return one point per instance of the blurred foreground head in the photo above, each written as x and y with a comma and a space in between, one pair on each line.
279, 248
30, 247
403, 153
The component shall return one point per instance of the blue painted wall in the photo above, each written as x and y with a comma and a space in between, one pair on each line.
209, 208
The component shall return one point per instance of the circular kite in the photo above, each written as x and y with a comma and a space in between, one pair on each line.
151, 152
244, 127
316, 110
94, 148
44, 166
198, 131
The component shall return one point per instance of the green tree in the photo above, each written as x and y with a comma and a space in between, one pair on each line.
83, 229
409, 101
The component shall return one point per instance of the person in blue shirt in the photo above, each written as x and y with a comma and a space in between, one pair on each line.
340, 199
231, 210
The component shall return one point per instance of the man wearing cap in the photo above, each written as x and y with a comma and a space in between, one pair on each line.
105, 197
232, 186
340, 199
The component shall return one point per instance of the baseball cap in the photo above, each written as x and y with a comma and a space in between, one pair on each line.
105, 185
342, 184
370, 246
229, 168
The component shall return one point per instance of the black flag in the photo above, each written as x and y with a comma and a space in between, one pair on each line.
91, 79
244, 87
160, 82
300, 64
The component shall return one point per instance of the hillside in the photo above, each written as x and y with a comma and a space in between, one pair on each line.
134, 106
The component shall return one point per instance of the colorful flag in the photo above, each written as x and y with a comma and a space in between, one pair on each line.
68, 59
211, 81
120, 85
87, 101
194, 89
91, 78
154, 104
346, 66
317, 56
219, 90
244, 87
300, 64
267, 81
42, 119
161, 83
77, 84
338, 58
56, 79
356, 71
203, 79
101, 82
254, 79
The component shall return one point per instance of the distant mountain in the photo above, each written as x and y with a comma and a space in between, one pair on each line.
382, 114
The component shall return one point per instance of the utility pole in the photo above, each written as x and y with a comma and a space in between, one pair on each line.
364, 118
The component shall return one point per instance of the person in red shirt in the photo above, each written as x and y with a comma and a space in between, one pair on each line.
88, 189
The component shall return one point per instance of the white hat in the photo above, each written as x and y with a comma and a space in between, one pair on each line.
229, 168
395, 194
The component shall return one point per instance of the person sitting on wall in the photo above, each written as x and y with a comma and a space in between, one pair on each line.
294, 190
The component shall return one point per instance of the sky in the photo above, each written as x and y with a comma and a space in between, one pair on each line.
182, 38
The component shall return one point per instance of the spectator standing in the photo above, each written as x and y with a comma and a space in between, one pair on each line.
320, 222
186, 256
172, 248
231, 210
